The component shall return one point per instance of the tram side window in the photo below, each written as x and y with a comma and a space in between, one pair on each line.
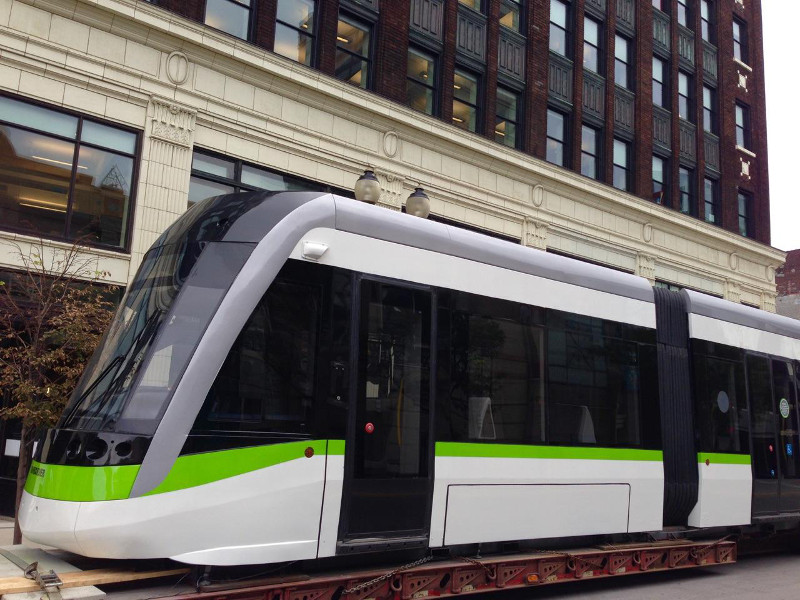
492, 371
720, 405
266, 383
593, 392
762, 419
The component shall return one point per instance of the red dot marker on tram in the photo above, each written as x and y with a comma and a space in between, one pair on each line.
369, 427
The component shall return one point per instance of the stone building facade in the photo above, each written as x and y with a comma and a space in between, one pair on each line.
164, 102
788, 280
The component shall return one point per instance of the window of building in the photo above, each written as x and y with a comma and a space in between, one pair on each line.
65, 176
294, 30
683, 13
686, 189
660, 180
684, 96
622, 165
556, 137
559, 27
465, 100
591, 45
745, 202
353, 51
421, 81
214, 175
660, 79
507, 119
742, 126
710, 201
739, 40
662, 5
709, 110
590, 151
230, 16
705, 20
476, 5
622, 62
511, 14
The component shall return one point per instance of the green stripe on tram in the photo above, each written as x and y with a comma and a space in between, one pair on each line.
80, 484
723, 459
466, 450
96, 484
192, 470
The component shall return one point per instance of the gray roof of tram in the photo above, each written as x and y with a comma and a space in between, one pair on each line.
747, 316
344, 214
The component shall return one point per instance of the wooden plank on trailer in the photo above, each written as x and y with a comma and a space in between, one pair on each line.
14, 585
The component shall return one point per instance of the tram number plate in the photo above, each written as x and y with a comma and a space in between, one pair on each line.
468, 588
421, 594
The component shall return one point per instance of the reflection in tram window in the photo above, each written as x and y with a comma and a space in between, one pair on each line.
720, 404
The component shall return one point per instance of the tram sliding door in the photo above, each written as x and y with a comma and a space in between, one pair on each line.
387, 486
775, 431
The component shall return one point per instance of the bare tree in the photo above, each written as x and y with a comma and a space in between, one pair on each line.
52, 316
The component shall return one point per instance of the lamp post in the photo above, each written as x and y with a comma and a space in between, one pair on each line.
418, 204
367, 188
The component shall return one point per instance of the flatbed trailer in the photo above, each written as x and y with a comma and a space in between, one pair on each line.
425, 578
449, 577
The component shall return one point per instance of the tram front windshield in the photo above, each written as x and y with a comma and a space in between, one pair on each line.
100, 396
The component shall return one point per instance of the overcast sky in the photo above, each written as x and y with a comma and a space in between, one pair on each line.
783, 119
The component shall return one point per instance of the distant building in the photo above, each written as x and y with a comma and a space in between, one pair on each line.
788, 281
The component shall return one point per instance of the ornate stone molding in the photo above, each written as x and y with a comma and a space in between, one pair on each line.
742, 80
768, 302
177, 68
646, 267
745, 168
172, 122
392, 191
538, 196
391, 144
647, 232
535, 234
733, 291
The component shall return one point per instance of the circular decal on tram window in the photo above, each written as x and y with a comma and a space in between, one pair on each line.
723, 402
784, 408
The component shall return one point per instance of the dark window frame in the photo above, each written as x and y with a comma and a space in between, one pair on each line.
740, 41
251, 21
684, 14
744, 129
626, 68
567, 29
687, 98
627, 168
663, 83
565, 145
597, 156
517, 122
313, 35
687, 197
745, 221
345, 15
480, 103
239, 186
435, 59
136, 157
707, 21
599, 48
710, 110
662, 196
709, 183
520, 7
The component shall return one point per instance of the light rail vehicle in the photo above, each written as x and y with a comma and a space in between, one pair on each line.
297, 376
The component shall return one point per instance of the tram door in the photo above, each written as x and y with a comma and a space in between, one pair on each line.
775, 431
388, 483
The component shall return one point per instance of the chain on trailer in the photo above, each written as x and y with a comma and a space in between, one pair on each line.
429, 577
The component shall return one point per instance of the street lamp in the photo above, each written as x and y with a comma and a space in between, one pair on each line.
418, 204
367, 188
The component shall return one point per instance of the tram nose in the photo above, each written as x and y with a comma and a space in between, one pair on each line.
49, 522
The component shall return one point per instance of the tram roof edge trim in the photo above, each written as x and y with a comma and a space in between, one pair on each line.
740, 314
391, 226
